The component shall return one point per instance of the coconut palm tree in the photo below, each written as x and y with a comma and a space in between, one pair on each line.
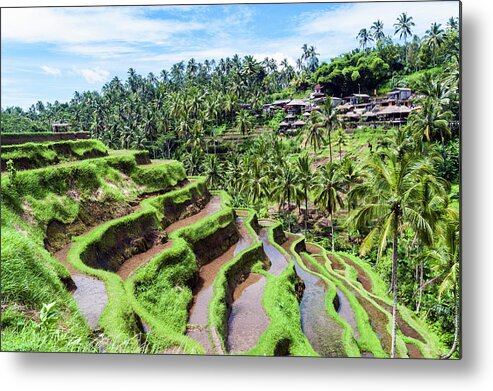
341, 140
213, 171
388, 207
431, 121
329, 188
284, 188
329, 120
434, 38
403, 27
351, 174
244, 122
306, 180
376, 30
364, 38
314, 134
453, 23
447, 258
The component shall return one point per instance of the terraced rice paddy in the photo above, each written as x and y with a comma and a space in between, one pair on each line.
177, 270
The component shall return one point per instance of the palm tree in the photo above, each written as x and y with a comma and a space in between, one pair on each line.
453, 23
431, 121
351, 174
329, 188
341, 140
306, 180
364, 38
430, 202
434, 38
377, 31
330, 120
254, 179
212, 170
284, 188
447, 257
314, 134
403, 27
388, 207
244, 122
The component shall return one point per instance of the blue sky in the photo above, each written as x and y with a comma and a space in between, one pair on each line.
48, 53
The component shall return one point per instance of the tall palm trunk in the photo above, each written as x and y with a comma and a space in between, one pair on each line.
306, 211
420, 296
348, 213
394, 288
457, 326
332, 231
330, 145
289, 212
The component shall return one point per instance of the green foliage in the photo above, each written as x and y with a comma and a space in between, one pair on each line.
449, 166
359, 70
17, 122
276, 120
35, 155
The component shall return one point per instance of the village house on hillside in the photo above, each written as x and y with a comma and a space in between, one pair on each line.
392, 108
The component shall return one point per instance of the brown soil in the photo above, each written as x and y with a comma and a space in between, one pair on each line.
337, 266
313, 250
407, 330
413, 351
62, 136
377, 317
362, 277
133, 263
214, 205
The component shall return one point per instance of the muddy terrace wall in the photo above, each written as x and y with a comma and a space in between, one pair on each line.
181, 203
123, 238
22, 138
133, 234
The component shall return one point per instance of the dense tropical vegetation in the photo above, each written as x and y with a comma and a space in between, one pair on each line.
388, 195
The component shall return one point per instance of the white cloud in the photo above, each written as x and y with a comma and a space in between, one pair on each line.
52, 71
334, 31
92, 75
86, 25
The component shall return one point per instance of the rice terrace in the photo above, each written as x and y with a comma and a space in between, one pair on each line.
244, 203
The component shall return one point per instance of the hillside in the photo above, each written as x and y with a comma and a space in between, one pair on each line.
125, 254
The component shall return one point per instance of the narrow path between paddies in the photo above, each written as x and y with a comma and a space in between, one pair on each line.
323, 332
203, 291
248, 319
133, 263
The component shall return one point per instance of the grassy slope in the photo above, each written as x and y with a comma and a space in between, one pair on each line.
36, 155
38, 196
